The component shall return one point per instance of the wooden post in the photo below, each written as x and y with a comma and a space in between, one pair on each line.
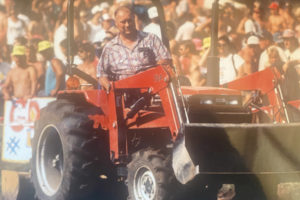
9, 185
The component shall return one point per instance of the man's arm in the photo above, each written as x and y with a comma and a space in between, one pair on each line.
162, 55
104, 82
6, 86
33, 80
101, 70
59, 75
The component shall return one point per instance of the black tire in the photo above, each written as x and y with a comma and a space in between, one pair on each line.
150, 176
69, 156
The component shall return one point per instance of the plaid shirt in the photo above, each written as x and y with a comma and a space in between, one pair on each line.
118, 61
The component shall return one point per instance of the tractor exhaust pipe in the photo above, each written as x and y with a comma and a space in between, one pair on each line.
70, 36
213, 59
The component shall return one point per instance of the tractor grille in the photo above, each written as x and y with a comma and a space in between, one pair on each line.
217, 109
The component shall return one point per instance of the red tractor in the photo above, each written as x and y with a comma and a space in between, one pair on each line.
172, 142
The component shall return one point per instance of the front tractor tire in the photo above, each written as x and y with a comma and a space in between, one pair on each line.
150, 176
68, 155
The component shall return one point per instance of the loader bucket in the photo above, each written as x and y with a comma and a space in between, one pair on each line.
268, 151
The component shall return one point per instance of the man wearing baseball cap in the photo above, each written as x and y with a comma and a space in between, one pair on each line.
276, 22
21, 81
291, 46
251, 55
153, 27
54, 75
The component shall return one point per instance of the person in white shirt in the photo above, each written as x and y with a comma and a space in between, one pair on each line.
15, 27
186, 30
59, 35
291, 46
107, 26
95, 24
153, 26
231, 64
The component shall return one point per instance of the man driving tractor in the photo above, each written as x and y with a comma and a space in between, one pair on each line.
130, 51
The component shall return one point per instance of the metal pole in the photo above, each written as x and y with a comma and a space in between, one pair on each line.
163, 27
213, 59
70, 36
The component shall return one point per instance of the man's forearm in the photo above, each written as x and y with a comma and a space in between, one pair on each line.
5, 93
104, 82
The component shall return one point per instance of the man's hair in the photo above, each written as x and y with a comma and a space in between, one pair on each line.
227, 41
188, 44
89, 48
125, 7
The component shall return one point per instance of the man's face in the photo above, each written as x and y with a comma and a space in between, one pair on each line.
125, 22
222, 48
253, 48
12, 12
83, 55
264, 43
287, 43
20, 61
273, 11
106, 24
183, 50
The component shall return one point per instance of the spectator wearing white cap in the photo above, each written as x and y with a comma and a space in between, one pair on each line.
107, 25
291, 46
104, 6
95, 23
250, 53
153, 26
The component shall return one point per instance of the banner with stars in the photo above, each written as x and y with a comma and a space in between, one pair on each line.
18, 128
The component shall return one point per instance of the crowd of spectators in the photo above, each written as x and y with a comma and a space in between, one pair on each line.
252, 36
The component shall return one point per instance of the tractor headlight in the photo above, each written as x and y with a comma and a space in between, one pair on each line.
220, 100
233, 102
206, 101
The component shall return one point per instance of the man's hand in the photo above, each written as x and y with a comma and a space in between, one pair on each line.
164, 62
104, 82
6, 97
53, 93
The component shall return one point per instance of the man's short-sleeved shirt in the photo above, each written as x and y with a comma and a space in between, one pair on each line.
118, 61
229, 66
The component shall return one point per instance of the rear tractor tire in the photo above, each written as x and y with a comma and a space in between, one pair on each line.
150, 176
68, 155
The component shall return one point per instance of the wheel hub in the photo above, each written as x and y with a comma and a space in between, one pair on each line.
145, 184
49, 160
55, 161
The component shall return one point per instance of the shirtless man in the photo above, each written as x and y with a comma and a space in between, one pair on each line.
86, 52
21, 80
276, 23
